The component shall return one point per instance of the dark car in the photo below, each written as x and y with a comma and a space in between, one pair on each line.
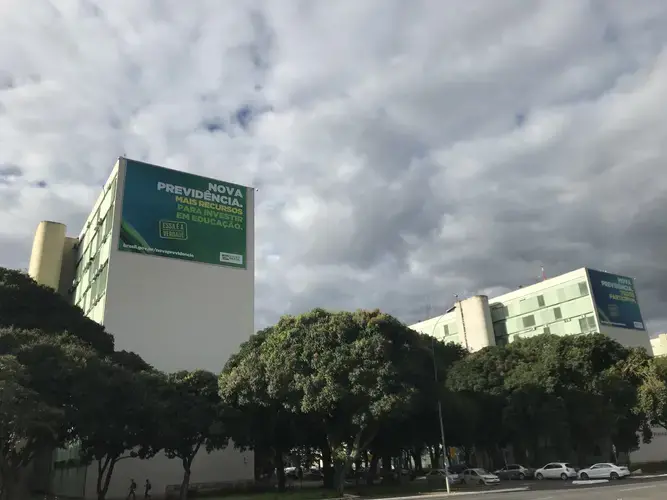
515, 471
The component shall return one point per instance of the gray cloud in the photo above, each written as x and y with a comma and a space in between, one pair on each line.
405, 151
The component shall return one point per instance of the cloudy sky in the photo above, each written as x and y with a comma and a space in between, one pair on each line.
404, 151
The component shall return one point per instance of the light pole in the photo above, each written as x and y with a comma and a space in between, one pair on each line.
442, 426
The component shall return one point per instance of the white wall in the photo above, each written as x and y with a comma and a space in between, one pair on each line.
178, 315
659, 345
474, 322
655, 451
219, 466
628, 337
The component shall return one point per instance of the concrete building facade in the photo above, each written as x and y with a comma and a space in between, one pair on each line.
570, 304
659, 345
175, 313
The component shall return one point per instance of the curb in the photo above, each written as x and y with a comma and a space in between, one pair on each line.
647, 476
438, 494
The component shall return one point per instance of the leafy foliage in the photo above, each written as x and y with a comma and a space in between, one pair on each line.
191, 418
349, 387
24, 304
120, 422
26, 424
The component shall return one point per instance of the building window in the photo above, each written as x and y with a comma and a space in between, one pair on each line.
557, 313
446, 330
583, 288
587, 324
546, 330
528, 321
540, 300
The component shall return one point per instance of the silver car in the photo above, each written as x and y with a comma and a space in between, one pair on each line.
479, 476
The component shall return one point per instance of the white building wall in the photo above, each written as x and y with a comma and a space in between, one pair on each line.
659, 345
177, 315
473, 318
627, 337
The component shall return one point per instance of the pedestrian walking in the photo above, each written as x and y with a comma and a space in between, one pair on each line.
133, 490
147, 489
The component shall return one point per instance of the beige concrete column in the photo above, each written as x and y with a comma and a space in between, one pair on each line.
47, 254
473, 316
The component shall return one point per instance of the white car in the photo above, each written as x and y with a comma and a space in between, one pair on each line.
479, 476
451, 477
604, 471
556, 470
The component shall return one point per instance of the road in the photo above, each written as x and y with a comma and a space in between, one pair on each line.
630, 489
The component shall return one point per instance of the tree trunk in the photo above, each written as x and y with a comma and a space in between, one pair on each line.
433, 457
339, 476
280, 469
104, 472
185, 483
327, 470
417, 457
371, 474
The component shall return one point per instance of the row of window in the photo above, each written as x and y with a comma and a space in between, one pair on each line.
90, 295
94, 249
546, 298
574, 326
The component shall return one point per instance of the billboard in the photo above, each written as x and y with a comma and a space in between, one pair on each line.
174, 214
616, 300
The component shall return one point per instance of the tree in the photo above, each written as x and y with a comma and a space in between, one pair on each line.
192, 418
341, 369
652, 400
556, 394
266, 424
27, 423
26, 305
120, 421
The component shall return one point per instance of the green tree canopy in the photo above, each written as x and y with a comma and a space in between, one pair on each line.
117, 416
347, 371
556, 393
264, 422
192, 417
27, 423
26, 305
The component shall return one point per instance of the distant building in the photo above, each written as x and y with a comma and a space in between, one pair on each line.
165, 261
579, 302
659, 345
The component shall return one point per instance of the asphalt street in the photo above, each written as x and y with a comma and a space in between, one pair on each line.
629, 489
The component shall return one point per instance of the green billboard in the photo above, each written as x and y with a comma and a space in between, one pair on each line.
174, 214
616, 300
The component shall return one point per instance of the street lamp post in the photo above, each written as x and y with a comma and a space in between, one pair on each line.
442, 426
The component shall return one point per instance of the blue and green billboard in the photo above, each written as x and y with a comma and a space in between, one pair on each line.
616, 300
174, 214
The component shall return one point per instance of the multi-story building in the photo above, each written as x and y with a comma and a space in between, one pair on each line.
165, 261
578, 302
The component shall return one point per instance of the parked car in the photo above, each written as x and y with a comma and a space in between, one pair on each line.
515, 471
458, 468
452, 477
604, 471
556, 470
479, 476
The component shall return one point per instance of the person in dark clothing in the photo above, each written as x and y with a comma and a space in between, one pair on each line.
147, 489
133, 490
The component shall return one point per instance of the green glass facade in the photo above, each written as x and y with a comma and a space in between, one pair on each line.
565, 309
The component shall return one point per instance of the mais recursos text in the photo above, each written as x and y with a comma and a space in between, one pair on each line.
220, 205
206, 212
